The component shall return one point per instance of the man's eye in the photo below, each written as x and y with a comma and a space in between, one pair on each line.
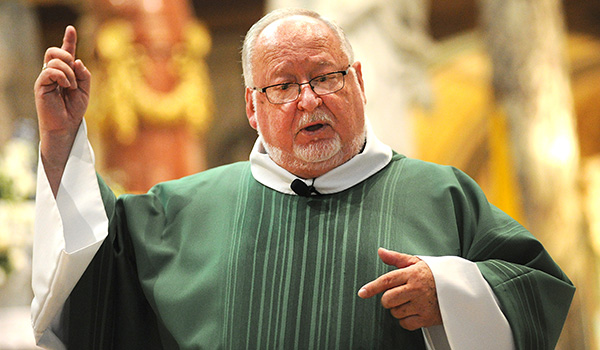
284, 87
322, 79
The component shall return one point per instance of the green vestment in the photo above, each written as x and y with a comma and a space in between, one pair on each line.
217, 260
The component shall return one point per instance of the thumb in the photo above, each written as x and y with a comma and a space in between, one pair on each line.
399, 260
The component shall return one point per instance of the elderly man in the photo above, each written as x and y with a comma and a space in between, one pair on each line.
283, 251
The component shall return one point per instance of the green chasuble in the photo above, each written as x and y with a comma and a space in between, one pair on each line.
219, 261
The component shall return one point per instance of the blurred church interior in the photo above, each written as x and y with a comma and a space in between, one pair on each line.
506, 90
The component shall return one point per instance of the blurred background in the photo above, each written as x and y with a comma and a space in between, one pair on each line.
506, 90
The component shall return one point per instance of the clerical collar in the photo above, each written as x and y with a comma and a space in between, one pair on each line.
375, 156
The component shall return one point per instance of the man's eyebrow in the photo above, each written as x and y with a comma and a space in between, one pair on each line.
283, 71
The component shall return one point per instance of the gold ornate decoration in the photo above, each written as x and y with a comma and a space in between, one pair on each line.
122, 97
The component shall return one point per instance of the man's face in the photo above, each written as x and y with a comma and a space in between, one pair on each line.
313, 134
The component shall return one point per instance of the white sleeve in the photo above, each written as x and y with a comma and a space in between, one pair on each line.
470, 312
68, 232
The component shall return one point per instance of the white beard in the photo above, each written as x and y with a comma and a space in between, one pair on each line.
321, 150
315, 156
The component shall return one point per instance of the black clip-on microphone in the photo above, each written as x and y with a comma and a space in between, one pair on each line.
302, 189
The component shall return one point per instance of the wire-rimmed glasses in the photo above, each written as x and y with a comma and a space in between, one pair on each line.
321, 85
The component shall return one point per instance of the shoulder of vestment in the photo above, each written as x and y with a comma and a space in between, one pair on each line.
214, 181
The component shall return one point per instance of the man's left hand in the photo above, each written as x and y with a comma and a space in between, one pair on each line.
408, 292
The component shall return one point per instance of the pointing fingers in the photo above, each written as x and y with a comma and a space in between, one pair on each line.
60, 65
70, 40
384, 282
409, 292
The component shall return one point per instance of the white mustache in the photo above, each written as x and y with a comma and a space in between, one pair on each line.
316, 116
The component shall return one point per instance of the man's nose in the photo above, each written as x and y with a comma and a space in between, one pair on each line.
308, 99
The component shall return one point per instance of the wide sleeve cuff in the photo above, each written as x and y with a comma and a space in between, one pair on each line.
68, 232
470, 313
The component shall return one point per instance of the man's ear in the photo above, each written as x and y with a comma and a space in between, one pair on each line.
358, 70
251, 109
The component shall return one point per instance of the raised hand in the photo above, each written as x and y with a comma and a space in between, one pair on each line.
408, 292
62, 93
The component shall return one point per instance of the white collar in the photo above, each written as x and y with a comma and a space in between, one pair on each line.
375, 156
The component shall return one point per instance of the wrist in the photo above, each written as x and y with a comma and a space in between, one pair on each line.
55, 147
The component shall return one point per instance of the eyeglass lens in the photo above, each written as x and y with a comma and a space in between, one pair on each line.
321, 85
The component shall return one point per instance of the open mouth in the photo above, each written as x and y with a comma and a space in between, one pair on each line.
314, 127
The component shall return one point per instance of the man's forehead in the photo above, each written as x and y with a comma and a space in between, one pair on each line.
289, 28
296, 43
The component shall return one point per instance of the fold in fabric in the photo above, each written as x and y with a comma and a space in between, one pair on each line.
466, 303
68, 232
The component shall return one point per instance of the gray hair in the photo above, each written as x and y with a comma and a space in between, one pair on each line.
258, 27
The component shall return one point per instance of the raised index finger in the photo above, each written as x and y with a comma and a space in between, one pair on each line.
70, 40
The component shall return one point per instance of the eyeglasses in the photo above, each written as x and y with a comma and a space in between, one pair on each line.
322, 85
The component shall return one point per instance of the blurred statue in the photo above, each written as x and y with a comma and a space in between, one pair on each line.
526, 41
154, 105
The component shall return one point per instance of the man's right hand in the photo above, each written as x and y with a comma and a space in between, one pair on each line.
62, 93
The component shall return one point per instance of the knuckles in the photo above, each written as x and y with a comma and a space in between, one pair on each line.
55, 53
388, 281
